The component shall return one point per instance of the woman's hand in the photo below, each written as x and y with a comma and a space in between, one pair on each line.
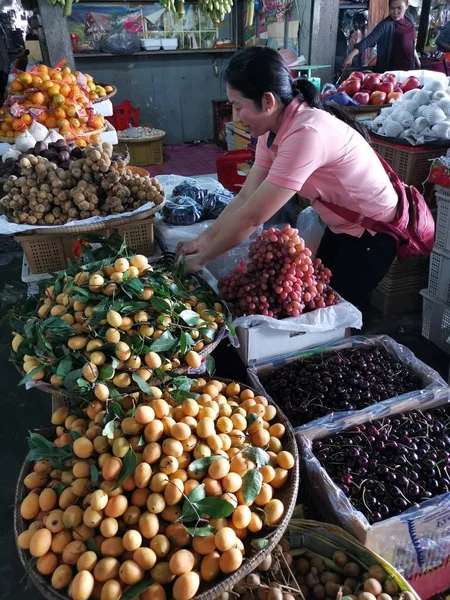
185, 248
194, 263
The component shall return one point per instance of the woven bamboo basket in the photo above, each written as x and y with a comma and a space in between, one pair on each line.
7, 140
208, 590
108, 96
324, 539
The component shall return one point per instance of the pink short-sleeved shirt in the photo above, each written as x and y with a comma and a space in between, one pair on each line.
319, 156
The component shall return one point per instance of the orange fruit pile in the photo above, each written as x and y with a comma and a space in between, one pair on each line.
57, 98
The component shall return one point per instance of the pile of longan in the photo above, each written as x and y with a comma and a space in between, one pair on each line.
97, 540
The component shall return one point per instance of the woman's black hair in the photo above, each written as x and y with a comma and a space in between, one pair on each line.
256, 70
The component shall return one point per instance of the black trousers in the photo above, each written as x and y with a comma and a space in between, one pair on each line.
357, 264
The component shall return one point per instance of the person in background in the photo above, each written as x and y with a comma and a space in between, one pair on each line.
443, 39
21, 60
305, 147
341, 47
4, 62
394, 38
359, 33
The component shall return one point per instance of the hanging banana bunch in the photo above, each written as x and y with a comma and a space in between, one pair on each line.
250, 13
66, 5
169, 5
215, 9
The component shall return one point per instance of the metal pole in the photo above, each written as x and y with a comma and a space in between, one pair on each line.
423, 25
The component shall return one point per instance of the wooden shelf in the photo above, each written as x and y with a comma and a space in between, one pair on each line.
157, 52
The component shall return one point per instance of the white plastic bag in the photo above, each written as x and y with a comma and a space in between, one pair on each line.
310, 228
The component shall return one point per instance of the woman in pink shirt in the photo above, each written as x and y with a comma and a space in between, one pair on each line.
303, 147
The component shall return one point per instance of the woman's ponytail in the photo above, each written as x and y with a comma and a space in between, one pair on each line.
312, 98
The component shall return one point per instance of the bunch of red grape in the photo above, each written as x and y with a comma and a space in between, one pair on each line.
281, 280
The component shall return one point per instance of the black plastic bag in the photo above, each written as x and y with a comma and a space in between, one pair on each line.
215, 203
182, 210
120, 42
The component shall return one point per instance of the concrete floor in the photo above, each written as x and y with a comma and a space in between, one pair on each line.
23, 411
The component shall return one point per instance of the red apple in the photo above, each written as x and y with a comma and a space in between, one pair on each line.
362, 97
377, 98
412, 83
371, 82
357, 75
390, 77
398, 89
394, 96
352, 86
387, 87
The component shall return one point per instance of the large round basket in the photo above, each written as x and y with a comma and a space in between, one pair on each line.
324, 539
208, 590
71, 399
108, 95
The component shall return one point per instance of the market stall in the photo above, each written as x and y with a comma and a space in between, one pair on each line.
157, 478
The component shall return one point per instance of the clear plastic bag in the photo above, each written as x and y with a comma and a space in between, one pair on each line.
182, 210
416, 540
310, 228
120, 42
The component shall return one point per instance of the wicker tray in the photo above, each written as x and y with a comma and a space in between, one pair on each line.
78, 227
287, 494
108, 96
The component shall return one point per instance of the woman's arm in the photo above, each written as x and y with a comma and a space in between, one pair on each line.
263, 204
368, 42
417, 59
254, 179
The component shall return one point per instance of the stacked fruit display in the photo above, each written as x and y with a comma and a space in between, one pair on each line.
280, 280
115, 323
156, 498
346, 380
58, 185
389, 465
56, 98
376, 89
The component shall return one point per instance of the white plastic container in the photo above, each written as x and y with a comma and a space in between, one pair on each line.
151, 44
170, 44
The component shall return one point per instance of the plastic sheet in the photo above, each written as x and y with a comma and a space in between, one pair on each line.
192, 190
336, 316
310, 228
120, 42
182, 210
416, 540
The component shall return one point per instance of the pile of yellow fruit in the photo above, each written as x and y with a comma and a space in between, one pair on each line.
152, 498
57, 98
110, 326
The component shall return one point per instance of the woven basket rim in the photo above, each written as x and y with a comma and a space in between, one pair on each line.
108, 95
123, 140
8, 140
112, 223
227, 581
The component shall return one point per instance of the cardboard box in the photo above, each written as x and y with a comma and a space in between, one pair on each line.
260, 344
